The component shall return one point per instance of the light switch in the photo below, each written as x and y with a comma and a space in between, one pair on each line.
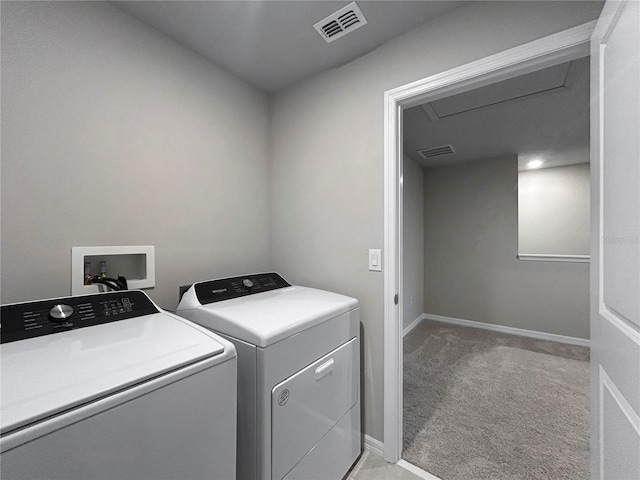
375, 260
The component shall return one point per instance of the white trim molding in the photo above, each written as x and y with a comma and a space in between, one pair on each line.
539, 257
560, 47
413, 325
551, 337
376, 447
392, 367
416, 470
373, 445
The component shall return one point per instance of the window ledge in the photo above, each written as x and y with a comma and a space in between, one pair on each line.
554, 258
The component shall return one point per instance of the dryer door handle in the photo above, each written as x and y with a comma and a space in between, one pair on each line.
325, 369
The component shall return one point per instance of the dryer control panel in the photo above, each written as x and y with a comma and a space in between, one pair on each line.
227, 288
34, 319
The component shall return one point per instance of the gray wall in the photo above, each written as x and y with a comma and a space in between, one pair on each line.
471, 266
94, 101
553, 210
412, 241
112, 134
327, 155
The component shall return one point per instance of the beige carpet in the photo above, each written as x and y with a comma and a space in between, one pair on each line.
484, 405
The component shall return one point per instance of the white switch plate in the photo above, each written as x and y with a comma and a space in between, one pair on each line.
375, 260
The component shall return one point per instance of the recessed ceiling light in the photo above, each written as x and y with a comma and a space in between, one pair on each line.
535, 163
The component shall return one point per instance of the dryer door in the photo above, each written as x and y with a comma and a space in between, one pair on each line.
305, 406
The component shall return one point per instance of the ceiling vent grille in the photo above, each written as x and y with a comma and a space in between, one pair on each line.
432, 152
344, 21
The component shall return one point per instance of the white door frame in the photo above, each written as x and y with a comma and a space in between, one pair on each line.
547, 51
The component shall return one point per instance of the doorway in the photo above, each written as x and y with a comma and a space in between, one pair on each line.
552, 50
496, 366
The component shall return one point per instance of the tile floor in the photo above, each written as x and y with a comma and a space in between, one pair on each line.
373, 467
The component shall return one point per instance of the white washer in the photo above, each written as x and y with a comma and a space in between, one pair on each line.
108, 386
298, 373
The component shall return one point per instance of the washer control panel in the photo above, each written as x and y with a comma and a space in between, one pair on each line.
34, 319
227, 288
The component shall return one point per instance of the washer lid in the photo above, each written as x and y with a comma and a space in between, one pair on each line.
268, 317
46, 375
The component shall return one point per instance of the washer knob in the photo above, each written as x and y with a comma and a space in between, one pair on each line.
60, 312
247, 283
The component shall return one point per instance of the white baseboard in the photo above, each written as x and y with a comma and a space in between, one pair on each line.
413, 325
377, 447
416, 470
373, 445
552, 337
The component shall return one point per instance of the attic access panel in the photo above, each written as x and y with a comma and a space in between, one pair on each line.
544, 80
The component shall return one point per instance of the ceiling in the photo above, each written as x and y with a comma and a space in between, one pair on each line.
272, 44
544, 114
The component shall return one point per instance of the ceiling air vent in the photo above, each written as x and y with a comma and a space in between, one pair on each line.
344, 21
432, 152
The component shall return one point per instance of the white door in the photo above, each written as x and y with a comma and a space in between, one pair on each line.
615, 255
